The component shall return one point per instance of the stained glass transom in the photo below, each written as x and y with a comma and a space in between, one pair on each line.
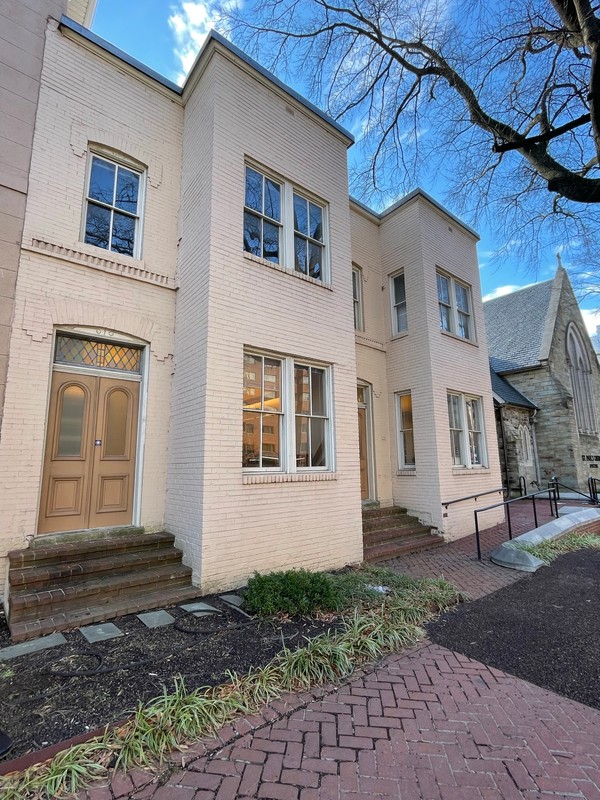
100, 355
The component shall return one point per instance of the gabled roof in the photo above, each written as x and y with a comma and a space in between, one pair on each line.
517, 325
507, 394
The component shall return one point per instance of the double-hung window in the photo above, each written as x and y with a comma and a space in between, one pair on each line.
455, 306
398, 296
113, 207
357, 299
467, 440
284, 225
406, 437
287, 417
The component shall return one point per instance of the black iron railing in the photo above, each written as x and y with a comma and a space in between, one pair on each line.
592, 497
593, 484
552, 494
472, 497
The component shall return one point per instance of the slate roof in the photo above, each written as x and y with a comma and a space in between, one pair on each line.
515, 326
507, 393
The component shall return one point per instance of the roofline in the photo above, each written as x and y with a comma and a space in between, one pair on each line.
417, 193
85, 33
516, 291
215, 36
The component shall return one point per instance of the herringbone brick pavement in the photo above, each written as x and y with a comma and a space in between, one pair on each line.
426, 725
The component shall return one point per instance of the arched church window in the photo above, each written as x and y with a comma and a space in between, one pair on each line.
581, 381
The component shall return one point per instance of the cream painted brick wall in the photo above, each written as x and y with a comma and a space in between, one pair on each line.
247, 527
125, 113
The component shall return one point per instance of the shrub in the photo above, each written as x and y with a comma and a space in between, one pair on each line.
295, 592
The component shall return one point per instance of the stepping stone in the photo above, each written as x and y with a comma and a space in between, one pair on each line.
156, 619
22, 649
99, 633
5, 743
203, 613
232, 599
202, 607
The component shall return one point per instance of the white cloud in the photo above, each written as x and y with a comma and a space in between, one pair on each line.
191, 23
591, 319
500, 291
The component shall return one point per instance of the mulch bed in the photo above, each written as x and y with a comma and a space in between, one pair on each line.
38, 708
544, 629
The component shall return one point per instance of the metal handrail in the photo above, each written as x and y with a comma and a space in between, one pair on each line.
472, 496
593, 487
555, 483
552, 493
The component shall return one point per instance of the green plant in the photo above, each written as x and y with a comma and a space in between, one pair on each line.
548, 551
295, 592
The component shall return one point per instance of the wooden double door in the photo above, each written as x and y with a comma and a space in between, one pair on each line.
91, 444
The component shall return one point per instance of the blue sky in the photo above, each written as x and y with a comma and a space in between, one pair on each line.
166, 35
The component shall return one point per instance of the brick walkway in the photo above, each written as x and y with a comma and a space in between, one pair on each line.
427, 724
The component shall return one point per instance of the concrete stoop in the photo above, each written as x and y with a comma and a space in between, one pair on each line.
391, 532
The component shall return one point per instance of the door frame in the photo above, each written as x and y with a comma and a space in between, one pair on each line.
104, 335
368, 406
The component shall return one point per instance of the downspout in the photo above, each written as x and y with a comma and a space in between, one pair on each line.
536, 463
506, 471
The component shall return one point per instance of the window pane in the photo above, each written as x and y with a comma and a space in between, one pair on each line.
316, 222
300, 254
123, 234
443, 290
455, 437
127, 190
454, 410
399, 291
272, 396
117, 414
302, 390
409, 448
252, 381
97, 226
401, 318
270, 440
300, 214
272, 200
271, 242
318, 392
317, 442
316, 260
102, 181
464, 328
462, 298
251, 440
475, 449
406, 411
472, 415
302, 442
71, 421
254, 187
445, 318
252, 238
355, 285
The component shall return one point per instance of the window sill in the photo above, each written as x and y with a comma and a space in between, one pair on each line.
287, 271
455, 336
471, 471
407, 473
287, 477
396, 336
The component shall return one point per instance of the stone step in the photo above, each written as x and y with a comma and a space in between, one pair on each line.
373, 513
392, 521
401, 547
395, 534
22, 631
52, 575
29, 604
71, 547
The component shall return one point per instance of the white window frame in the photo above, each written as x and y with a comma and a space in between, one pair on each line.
402, 463
465, 432
581, 382
357, 298
454, 313
287, 228
119, 161
396, 331
288, 415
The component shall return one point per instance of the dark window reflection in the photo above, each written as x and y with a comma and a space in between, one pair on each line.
123, 236
97, 226
112, 225
252, 237
127, 190
102, 181
300, 214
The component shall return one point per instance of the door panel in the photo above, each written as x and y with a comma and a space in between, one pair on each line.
67, 461
114, 453
363, 453
89, 465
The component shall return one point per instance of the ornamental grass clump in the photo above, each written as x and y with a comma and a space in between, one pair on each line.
550, 550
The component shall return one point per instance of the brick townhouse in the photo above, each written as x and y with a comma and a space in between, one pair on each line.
206, 336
